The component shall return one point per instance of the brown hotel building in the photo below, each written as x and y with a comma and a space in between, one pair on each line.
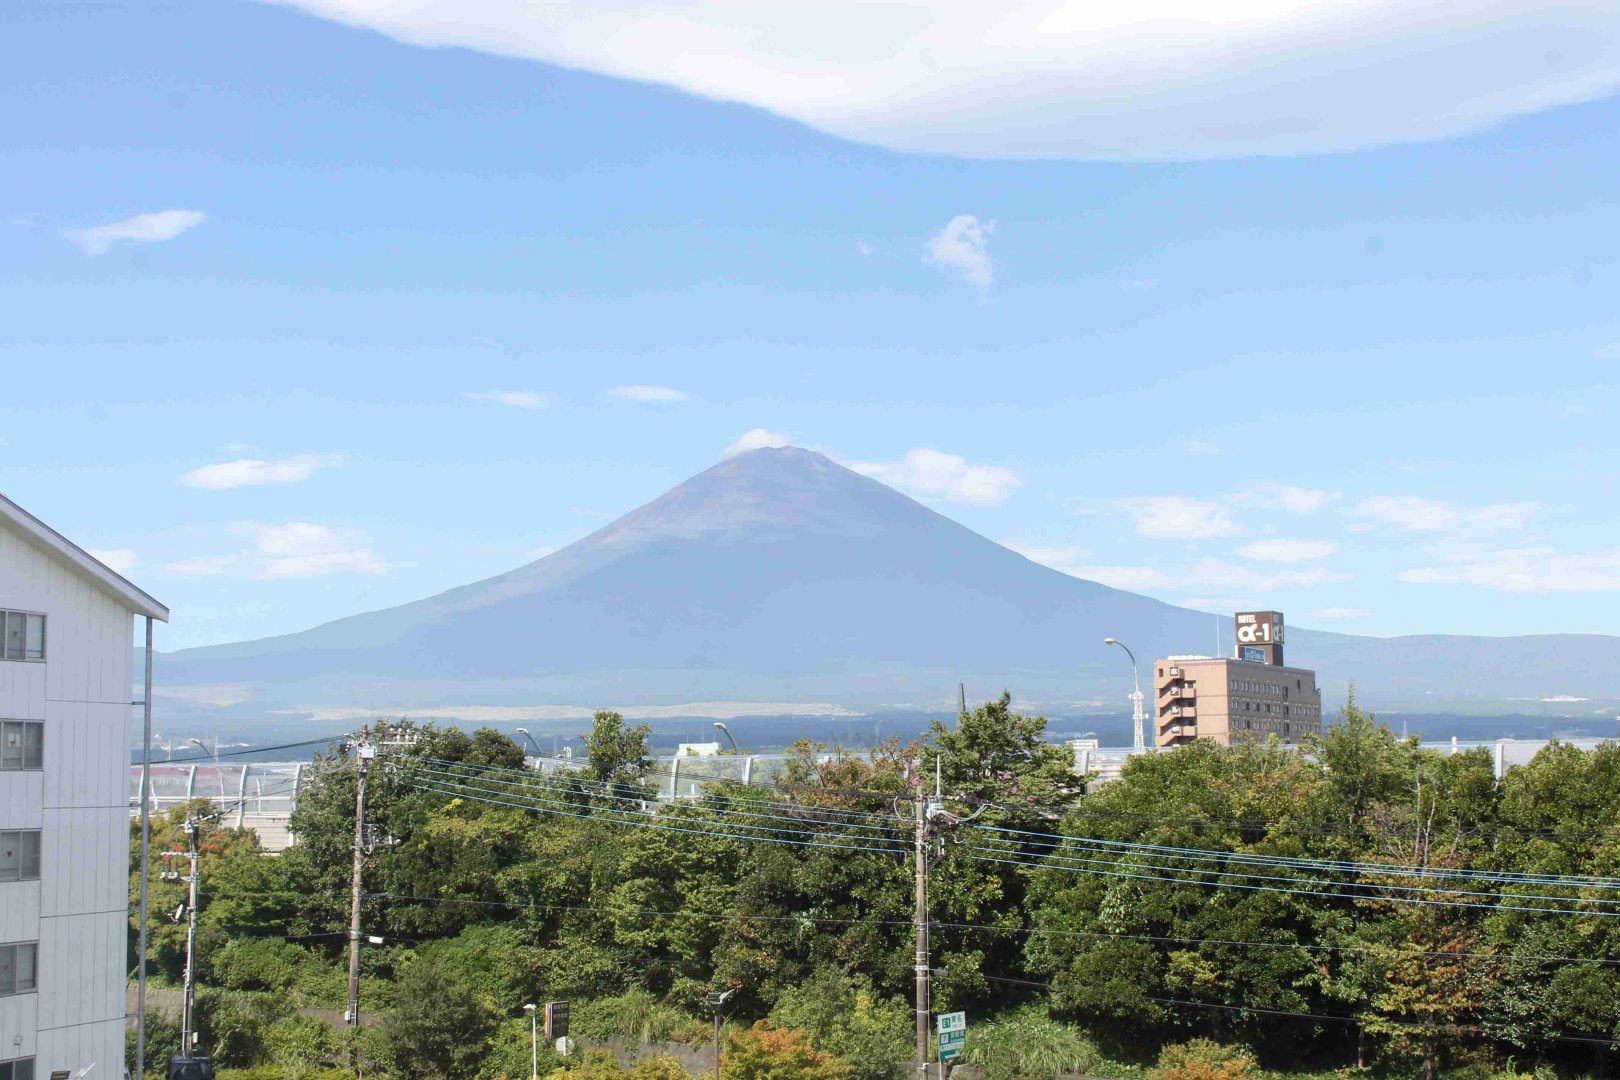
1251, 697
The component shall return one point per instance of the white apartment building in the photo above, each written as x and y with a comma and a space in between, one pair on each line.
66, 650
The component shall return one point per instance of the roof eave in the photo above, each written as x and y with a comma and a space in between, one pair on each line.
132, 595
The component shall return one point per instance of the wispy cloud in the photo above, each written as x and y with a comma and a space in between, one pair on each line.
934, 473
1287, 551
1175, 517
961, 247
1411, 514
651, 394
518, 399
142, 228
1338, 613
755, 439
297, 549
1219, 574
1199, 448
118, 560
1607, 352
1530, 569
252, 472
1292, 500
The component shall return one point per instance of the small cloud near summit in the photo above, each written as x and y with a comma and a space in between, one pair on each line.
756, 439
962, 247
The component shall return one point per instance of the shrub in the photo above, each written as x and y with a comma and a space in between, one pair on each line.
871, 1034
1204, 1059
763, 1052
1029, 1045
636, 1015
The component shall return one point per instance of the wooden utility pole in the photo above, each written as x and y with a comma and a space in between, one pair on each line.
920, 918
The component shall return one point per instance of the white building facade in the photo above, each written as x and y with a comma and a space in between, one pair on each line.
66, 651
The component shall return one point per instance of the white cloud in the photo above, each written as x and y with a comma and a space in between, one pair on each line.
1151, 80
1173, 517
960, 246
1134, 578
933, 473
1293, 500
863, 249
1199, 448
298, 549
521, 399
1409, 513
143, 228
1287, 551
1526, 570
1222, 575
251, 472
1075, 561
652, 394
1338, 613
118, 560
1608, 352
755, 439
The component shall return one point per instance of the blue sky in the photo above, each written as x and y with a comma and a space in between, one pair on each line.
1377, 388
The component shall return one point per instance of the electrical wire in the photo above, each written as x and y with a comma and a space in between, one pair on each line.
524, 780
440, 777
1057, 840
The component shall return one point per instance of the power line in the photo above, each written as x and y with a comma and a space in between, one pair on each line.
527, 781
1300, 892
1061, 861
653, 825
460, 781
1057, 840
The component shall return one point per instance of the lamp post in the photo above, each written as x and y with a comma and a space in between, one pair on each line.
199, 744
719, 1001
1138, 716
534, 1039
538, 753
727, 733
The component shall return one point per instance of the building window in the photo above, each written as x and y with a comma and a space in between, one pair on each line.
22, 745
19, 855
17, 968
17, 1069
24, 635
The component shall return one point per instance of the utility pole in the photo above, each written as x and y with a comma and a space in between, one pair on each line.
188, 996
921, 921
364, 752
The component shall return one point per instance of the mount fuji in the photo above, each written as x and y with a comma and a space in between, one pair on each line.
780, 581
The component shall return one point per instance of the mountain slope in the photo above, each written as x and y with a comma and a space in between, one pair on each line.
780, 576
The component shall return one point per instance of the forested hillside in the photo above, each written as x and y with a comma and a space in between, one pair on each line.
1368, 902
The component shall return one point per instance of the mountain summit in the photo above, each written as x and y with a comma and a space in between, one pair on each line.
780, 576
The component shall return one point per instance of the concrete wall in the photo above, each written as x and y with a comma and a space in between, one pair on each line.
78, 910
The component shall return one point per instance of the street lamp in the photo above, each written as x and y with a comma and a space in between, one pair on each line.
719, 1001
1138, 717
534, 1034
727, 733
199, 744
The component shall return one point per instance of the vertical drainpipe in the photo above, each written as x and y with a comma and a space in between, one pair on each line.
146, 852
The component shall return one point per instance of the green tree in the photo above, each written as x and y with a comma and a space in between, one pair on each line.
763, 1052
845, 1017
618, 754
439, 1023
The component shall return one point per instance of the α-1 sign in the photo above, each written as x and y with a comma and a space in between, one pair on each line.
952, 1035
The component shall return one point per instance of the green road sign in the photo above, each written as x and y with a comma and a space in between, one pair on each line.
952, 1035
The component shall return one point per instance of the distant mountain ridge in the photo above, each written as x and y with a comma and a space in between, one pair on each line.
780, 576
